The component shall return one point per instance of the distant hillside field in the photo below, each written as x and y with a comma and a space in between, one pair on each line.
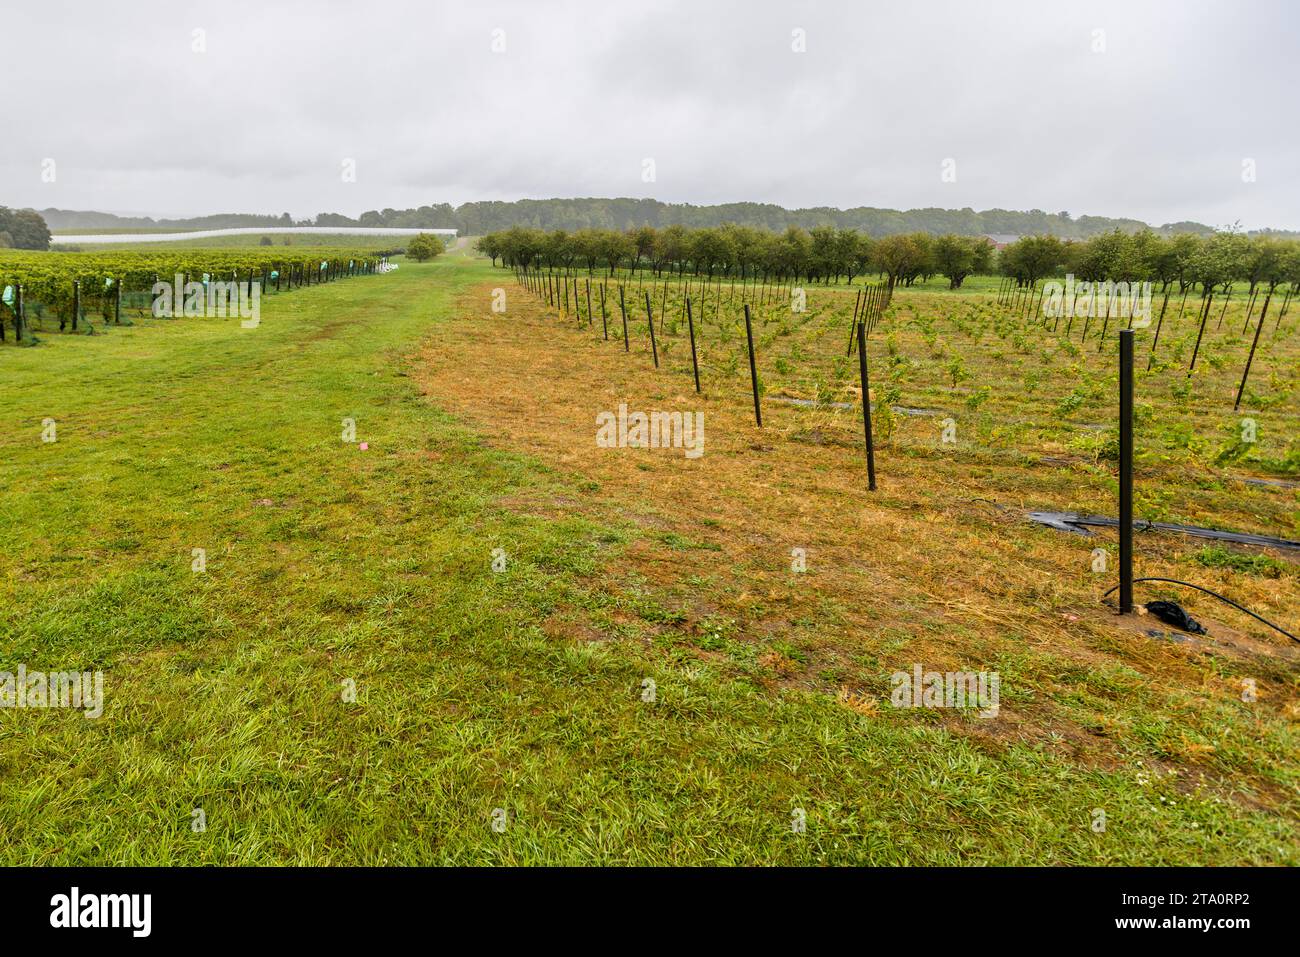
628, 213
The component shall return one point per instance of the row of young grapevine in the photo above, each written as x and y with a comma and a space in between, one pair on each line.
1016, 384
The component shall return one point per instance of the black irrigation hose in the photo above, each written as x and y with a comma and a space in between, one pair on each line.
1215, 594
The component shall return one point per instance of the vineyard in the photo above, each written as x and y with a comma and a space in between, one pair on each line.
1216, 336
985, 410
374, 562
76, 290
984, 374
780, 450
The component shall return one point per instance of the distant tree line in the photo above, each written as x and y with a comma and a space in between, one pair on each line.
476, 219
64, 219
623, 214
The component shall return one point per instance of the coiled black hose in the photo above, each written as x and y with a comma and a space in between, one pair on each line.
1214, 594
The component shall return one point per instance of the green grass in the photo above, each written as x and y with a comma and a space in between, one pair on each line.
1220, 556
325, 563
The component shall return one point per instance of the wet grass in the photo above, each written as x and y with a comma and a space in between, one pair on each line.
331, 570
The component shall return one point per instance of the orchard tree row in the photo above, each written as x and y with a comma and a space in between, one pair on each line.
823, 253
1183, 261
829, 254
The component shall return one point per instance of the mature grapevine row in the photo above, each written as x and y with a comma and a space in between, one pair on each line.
70, 286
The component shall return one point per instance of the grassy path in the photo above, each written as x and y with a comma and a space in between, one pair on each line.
328, 566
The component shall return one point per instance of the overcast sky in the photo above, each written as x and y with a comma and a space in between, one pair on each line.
1119, 109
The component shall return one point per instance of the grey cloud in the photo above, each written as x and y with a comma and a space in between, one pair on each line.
1156, 127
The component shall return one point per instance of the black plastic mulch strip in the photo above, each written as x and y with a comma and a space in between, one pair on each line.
1077, 524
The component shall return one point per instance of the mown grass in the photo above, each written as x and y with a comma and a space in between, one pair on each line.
328, 564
